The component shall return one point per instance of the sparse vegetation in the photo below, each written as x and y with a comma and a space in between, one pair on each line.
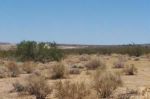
58, 71
39, 68
36, 85
13, 69
19, 87
68, 90
44, 52
74, 71
28, 67
105, 83
4, 72
130, 70
119, 64
94, 64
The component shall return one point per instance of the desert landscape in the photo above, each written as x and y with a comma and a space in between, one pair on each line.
76, 76
74, 49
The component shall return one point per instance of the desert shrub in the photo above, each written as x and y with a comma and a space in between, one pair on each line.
84, 57
77, 66
68, 90
13, 69
119, 64
95, 63
43, 52
26, 50
105, 83
4, 72
58, 71
38, 86
55, 54
28, 67
130, 70
74, 71
128, 94
18, 87
137, 59
35, 85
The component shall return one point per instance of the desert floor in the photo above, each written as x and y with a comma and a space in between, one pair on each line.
139, 82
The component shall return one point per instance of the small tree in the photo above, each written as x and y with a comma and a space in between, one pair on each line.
27, 50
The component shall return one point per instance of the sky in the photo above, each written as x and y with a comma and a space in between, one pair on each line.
102, 22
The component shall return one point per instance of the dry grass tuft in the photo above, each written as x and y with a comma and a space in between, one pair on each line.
18, 87
4, 72
119, 64
59, 71
28, 67
68, 90
130, 70
74, 71
36, 85
129, 93
94, 64
13, 69
84, 57
105, 83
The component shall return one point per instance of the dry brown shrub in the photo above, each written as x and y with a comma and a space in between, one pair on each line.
18, 87
105, 83
119, 64
13, 69
84, 57
128, 94
130, 70
28, 67
35, 85
94, 64
38, 86
68, 90
74, 71
4, 72
59, 71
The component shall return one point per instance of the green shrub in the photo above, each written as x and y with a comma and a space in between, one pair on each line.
43, 52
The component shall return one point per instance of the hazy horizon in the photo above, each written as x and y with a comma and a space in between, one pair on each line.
91, 22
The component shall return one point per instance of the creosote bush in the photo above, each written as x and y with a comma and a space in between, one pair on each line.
33, 51
68, 90
94, 64
13, 69
59, 71
130, 70
105, 83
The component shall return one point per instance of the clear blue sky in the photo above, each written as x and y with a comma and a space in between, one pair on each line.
75, 21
